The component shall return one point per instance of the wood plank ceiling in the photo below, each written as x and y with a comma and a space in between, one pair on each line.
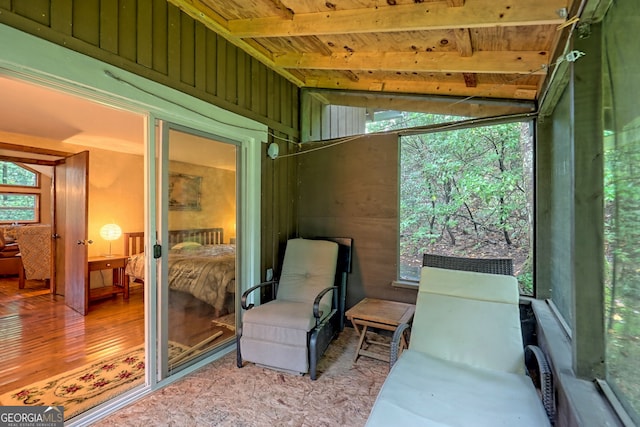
499, 49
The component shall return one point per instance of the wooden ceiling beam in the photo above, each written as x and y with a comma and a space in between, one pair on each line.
463, 41
425, 104
286, 10
410, 17
423, 62
204, 14
481, 90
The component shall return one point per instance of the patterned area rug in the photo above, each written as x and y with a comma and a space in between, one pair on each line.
88, 386
227, 321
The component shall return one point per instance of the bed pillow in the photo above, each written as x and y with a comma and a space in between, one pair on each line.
183, 245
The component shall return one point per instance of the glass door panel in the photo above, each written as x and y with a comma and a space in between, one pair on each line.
197, 288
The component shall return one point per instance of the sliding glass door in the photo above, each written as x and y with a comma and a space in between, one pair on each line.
197, 232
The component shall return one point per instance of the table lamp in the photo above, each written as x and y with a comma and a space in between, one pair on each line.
110, 232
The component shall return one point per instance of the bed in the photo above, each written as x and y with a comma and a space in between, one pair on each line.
200, 264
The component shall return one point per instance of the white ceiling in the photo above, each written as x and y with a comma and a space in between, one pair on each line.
32, 110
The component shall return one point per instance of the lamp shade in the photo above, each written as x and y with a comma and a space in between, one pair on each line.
110, 231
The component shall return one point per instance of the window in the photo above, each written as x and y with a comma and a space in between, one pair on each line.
621, 88
18, 201
466, 192
622, 254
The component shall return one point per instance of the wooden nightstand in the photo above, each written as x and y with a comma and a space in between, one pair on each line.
116, 263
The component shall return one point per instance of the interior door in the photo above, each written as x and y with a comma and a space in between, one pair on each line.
71, 223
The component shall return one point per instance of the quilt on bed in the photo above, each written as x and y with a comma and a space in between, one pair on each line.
207, 272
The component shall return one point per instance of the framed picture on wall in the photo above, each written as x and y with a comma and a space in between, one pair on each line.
184, 192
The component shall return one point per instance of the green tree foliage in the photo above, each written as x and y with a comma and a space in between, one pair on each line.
461, 185
622, 252
13, 206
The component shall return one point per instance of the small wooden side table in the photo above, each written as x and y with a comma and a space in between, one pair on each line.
116, 263
381, 314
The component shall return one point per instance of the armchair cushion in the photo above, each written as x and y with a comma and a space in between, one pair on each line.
284, 333
277, 315
309, 266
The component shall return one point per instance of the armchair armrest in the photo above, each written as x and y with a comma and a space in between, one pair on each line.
243, 301
538, 366
395, 343
316, 303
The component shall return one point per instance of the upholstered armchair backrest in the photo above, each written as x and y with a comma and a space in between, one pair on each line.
35, 248
470, 318
309, 266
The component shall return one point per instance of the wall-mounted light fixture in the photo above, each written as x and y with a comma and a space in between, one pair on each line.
273, 150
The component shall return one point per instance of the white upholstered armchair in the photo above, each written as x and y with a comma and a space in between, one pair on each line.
292, 331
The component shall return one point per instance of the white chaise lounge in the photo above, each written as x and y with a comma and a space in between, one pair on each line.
465, 361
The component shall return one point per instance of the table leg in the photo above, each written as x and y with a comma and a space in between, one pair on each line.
363, 334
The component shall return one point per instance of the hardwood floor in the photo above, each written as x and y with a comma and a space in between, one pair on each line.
40, 336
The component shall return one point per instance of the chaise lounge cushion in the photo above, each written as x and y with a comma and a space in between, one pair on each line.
469, 317
465, 362
423, 390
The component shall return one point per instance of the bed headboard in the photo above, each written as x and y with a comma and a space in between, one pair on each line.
134, 242
204, 236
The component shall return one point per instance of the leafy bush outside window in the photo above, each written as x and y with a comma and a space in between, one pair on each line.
468, 193
17, 206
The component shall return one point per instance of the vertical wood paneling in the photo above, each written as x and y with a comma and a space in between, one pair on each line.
108, 29
272, 102
86, 21
144, 47
211, 60
187, 50
62, 16
127, 31
351, 190
258, 87
200, 55
160, 37
244, 80
295, 112
221, 68
35, 10
285, 104
173, 42
231, 74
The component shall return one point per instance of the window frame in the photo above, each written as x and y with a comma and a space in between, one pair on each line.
24, 190
407, 283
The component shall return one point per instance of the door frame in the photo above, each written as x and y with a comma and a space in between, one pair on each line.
41, 62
